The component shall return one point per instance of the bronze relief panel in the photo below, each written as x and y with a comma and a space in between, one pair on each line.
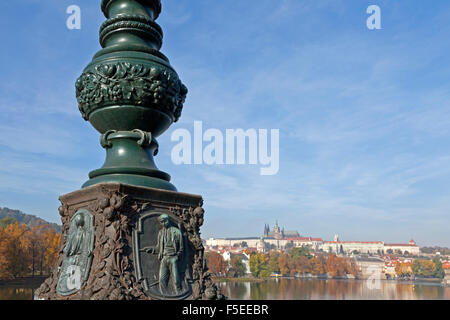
77, 253
161, 252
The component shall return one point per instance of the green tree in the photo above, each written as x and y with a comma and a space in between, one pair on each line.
439, 269
273, 261
423, 268
238, 266
429, 268
416, 267
289, 245
300, 252
258, 265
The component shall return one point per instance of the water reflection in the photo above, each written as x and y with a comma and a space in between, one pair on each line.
314, 289
7, 293
302, 289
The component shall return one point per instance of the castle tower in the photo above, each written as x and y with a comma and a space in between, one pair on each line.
276, 228
266, 230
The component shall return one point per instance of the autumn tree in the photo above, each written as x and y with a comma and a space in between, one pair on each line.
52, 242
36, 248
25, 251
335, 266
217, 264
303, 265
283, 264
317, 266
353, 268
403, 269
14, 246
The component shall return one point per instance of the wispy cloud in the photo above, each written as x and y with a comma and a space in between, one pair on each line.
363, 116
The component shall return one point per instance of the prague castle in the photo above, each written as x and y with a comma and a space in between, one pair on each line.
279, 239
278, 233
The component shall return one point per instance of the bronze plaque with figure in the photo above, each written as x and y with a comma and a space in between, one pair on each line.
162, 254
77, 253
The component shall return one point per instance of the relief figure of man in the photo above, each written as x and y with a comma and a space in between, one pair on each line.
170, 251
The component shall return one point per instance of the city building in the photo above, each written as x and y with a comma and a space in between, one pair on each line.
409, 248
279, 239
245, 258
348, 247
278, 233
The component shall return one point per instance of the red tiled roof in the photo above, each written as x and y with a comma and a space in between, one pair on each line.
298, 239
400, 245
372, 242
303, 239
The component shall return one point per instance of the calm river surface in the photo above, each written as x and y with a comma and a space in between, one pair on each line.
301, 289
315, 289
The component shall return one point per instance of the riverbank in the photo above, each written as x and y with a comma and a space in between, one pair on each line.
248, 279
349, 279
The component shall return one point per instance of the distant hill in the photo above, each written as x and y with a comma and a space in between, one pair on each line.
28, 219
434, 250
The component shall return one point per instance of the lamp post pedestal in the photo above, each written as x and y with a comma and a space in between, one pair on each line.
119, 265
128, 234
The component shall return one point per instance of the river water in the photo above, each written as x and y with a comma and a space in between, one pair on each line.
316, 289
303, 289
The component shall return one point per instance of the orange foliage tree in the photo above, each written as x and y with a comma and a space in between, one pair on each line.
217, 264
14, 251
317, 266
303, 265
283, 264
338, 267
52, 243
24, 251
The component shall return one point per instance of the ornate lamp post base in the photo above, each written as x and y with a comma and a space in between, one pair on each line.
128, 234
129, 160
124, 242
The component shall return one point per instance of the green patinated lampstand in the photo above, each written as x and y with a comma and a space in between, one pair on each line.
128, 233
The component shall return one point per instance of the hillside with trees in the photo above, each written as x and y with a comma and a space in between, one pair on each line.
27, 250
435, 250
27, 219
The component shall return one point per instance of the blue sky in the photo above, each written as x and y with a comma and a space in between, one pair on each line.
364, 116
